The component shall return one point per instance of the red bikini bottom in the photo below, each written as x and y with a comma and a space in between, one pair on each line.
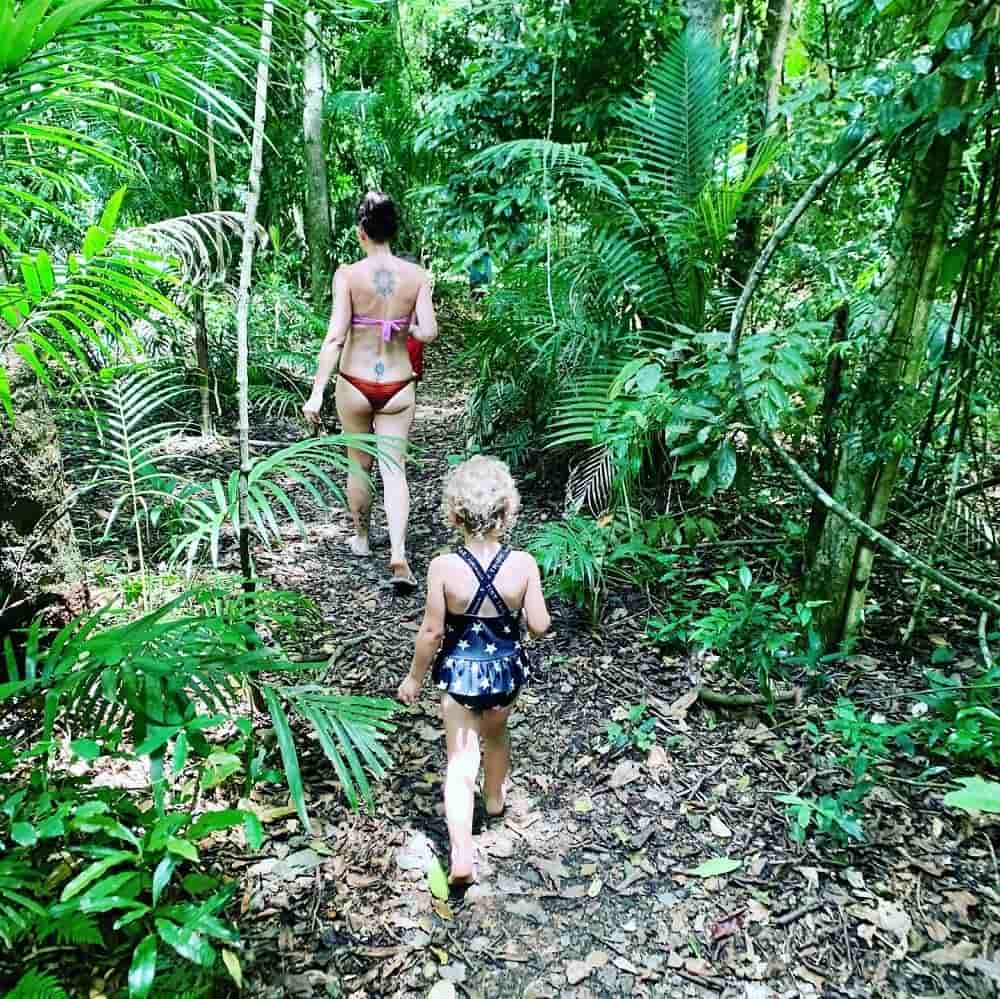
378, 394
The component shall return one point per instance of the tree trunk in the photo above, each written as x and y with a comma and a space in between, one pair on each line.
243, 295
706, 15
318, 229
204, 363
763, 114
841, 569
38, 549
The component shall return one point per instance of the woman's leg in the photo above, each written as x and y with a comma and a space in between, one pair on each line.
355, 415
496, 757
393, 423
461, 728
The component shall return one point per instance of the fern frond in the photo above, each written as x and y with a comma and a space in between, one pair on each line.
37, 985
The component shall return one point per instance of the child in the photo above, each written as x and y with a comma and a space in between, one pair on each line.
472, 631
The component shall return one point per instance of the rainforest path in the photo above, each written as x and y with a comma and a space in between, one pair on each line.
586, 888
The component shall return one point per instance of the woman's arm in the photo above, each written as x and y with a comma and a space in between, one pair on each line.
426, 319
429, 636
535, 611
333, 344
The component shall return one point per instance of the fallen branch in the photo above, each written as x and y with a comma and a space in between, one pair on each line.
749, 700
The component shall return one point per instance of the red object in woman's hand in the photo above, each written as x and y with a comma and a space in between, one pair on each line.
416, 350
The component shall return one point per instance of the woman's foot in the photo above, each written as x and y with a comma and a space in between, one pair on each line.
402, 578
495, 807
360, 546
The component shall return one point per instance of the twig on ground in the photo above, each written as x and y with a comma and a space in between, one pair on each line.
802, 910
749, 700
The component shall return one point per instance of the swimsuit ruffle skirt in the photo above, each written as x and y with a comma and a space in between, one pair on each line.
482, 657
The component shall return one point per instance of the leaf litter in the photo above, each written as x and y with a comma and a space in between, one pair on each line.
666, 873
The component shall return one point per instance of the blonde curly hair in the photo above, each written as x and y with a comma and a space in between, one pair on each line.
480, 496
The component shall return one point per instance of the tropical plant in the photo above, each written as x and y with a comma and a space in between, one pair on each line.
169, 677
636, 293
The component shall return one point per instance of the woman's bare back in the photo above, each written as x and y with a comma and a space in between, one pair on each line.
381, 287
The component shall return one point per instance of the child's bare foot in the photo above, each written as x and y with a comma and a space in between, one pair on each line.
463, 867
360, 546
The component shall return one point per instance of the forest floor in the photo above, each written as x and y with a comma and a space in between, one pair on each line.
586, 888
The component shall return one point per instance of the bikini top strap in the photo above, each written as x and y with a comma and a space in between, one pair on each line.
486, 587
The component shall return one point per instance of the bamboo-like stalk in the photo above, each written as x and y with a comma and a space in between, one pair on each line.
243, 295
318, 226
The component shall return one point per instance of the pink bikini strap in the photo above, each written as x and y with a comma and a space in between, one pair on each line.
388, 326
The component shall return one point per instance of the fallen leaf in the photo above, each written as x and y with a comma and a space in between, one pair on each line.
959, 902
953, 954
657, 759
597, 959
442, 909
442, 990
855, 878
428, 732
595, 888
698, 966
577, 971
811, 874
719, 828
679, 709
716, 867
453, 972
802, 972
725, 928
437, 880
991, 969
586, 870
583, 805
937, 931
626, 772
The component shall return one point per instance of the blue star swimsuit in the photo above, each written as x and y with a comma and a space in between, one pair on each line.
481, 663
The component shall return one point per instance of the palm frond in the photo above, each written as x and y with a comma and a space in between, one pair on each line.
591, 479
37, 985
675, 128
308, 464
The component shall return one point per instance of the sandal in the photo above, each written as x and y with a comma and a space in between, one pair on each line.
403, 584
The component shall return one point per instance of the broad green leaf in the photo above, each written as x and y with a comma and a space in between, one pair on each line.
110, 214
95, 241
161, 876
957, 39
23, 833
192, 946
977, 795
86, 749
715, 867
142, 971
232, 962
745, 577
182, 848
289, 756
437, 880
93, 872
725, 465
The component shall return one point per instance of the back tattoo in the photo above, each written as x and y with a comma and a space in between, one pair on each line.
385, 282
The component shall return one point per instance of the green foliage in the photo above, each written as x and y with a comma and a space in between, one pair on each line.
976, 795
756, 628
169, 677
580, 557
635, 729
36, 985
831, 815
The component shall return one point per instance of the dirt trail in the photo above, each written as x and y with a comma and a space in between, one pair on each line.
586, 887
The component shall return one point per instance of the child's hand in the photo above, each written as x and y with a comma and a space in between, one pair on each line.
409, 690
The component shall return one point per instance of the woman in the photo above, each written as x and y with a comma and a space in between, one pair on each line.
373, 302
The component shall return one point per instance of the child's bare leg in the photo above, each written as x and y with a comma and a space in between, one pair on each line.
462, 734
496, 757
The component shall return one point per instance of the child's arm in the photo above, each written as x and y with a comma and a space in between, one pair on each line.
535, 611
428, 637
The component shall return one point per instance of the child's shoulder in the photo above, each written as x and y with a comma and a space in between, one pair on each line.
521, 559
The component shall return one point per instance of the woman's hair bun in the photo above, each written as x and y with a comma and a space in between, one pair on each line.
378, 216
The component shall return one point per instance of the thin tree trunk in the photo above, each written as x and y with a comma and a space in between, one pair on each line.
243, 295
762, 118
318, 228
736, 39
916, 253
826, 468
38, 550
706, 15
